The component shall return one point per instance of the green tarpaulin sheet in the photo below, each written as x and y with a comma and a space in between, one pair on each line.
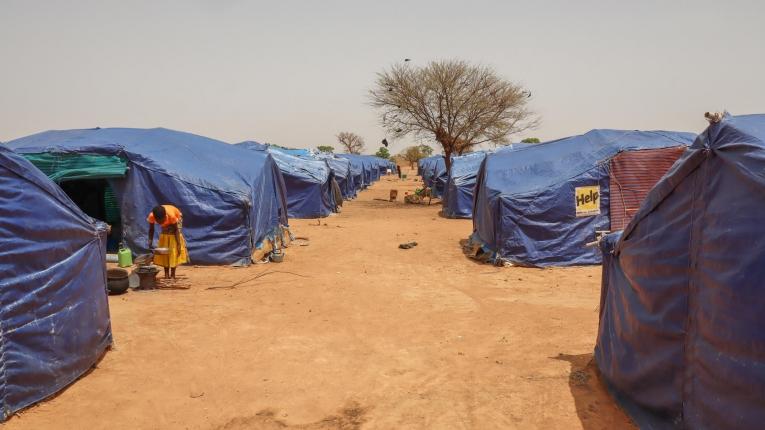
68, 167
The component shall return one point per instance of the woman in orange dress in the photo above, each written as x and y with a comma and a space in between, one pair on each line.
171, 237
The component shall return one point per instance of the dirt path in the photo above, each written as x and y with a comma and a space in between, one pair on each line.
359, 334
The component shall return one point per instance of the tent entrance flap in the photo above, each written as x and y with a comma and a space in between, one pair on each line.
97, 199
68, 167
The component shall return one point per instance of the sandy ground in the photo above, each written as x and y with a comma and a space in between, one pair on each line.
351, 332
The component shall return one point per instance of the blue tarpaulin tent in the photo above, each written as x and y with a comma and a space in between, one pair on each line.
364, 164
54, 315
341, 168
541, 204
461, 180
424, 163
232, 200
438, 180
434, 174
388, 164
366, 169
681, 340
373, 165
357, 171
458, 193
308, 181
383, 165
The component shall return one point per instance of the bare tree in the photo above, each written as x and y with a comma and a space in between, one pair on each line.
457, 104
351, 142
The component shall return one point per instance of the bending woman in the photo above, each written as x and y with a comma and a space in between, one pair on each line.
171, 237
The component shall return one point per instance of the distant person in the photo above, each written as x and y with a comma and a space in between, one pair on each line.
398, 169
170, 220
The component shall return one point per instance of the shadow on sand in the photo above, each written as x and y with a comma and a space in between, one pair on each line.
594, 406
350, 417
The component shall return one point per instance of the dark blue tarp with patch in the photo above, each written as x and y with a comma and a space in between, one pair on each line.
54, 315
524, 203
231, 199
681, 339
307, 181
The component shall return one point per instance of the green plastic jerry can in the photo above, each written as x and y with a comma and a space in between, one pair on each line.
124, 257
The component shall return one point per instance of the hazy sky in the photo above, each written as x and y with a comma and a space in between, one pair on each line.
296, 73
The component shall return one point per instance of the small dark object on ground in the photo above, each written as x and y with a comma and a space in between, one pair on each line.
302, 241
117, 280
277, 256
408, 245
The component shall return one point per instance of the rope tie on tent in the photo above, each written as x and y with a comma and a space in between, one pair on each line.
714, 118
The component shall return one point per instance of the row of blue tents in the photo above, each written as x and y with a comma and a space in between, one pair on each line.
455, 186
309, 181
236, 201
680, 341
523, 199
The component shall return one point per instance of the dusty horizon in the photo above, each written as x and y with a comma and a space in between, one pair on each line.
297, 75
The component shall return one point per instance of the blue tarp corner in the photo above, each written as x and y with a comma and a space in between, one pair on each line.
54, 314
681, 341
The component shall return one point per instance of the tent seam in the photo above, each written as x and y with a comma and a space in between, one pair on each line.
696, 231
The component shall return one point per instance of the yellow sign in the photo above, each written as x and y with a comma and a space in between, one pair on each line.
587, 200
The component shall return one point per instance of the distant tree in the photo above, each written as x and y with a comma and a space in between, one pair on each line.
426, 150
326, 148
413, 154
457, 104
352, 143
383, 153
530, 140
